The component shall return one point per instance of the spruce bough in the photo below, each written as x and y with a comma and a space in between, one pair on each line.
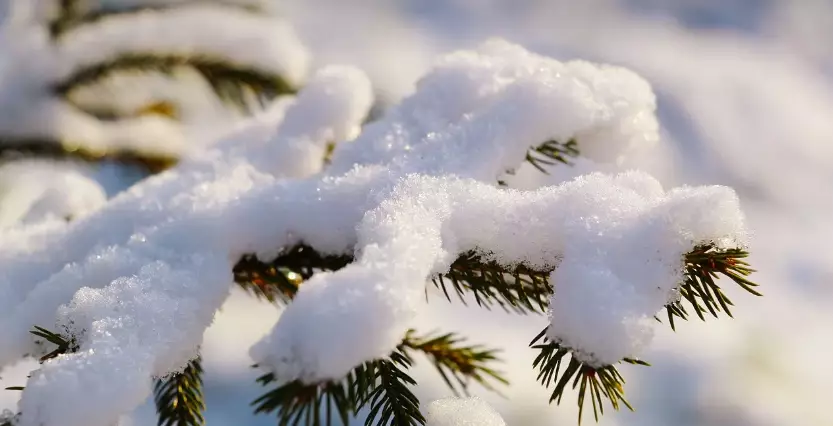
383, 387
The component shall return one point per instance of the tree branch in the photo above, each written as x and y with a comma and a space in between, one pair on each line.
226, 78
59, 150
453, 360
179, 399
602, 382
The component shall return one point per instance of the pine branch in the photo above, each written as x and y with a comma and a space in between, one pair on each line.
382, 385
552, 152
703, 266
279, 279
107, 113
602, 382
452, 360
61, 150
392, 402
299, 403
519, 288
229, 80
64, 345
179, 399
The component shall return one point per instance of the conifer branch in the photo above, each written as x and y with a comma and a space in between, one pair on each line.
179, 398
279, 279
703, 266
601, 382
392, 402
453, 360
227, 79
552, 152
519, 289
381, 384
300, 403
62, 150
64, 345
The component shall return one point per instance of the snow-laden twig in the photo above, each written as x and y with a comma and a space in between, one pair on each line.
411, 193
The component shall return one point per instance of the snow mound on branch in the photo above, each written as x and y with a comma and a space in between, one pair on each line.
123, 342
476, 113
406, 198
618, 242
462, 412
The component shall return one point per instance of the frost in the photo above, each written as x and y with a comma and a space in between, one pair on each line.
462, 412
137, 281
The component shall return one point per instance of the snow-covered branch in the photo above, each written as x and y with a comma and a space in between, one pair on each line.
137, 281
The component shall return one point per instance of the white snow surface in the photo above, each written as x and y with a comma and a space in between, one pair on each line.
504, 99
462, 412
33, 191
137, 282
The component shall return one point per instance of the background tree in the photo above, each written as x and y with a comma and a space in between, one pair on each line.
127, 87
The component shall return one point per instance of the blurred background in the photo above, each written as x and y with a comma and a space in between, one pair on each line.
745, 92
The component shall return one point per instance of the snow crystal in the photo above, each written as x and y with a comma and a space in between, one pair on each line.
137, 281
462, 412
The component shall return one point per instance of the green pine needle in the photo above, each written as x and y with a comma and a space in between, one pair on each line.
602, 383
517, 289
457, 364
229, 80
703, 266
552, 152
383, 385
392, 401
68, 150
179, 398
64, 345
279, 279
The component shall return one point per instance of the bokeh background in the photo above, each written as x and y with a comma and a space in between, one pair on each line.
745, 91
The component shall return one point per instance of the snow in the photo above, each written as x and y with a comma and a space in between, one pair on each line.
123, 343
504, 99
406, 197
34, 191
462, 412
